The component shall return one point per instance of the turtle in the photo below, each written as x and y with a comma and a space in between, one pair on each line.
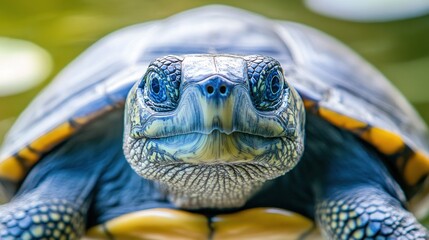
216, 123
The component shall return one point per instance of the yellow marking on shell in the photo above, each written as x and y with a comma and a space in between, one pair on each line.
29, 156
388, 143
340, 120
63, 131
309, 104
385, 141
416, 167
155, 224
50, 139
11, 169
263, 223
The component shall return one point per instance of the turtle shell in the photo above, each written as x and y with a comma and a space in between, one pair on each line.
333, 81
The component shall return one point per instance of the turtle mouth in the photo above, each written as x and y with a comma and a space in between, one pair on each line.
214, 131
164, 132
214, 147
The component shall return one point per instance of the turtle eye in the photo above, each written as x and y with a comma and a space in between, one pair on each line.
274, 84
266, 82
161, 84
157, 87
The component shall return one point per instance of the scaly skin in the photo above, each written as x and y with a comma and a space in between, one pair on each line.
38, 219
367, 213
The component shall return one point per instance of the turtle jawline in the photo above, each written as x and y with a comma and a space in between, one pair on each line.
213, 148
209, 132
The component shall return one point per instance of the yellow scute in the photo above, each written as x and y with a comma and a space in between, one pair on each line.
385, 141
263, 223
417, 167
52, 138
341, 120
11, 169
155, 223
29, 156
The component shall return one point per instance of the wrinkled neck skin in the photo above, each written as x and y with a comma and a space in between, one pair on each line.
214, 185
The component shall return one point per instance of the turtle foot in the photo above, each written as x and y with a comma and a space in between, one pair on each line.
368, 214
26, 219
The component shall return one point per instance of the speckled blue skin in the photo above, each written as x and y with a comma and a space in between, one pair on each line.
99, 187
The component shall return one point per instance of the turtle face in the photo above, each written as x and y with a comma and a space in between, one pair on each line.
212, 128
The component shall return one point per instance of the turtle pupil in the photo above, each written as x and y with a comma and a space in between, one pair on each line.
275, 84
155, 85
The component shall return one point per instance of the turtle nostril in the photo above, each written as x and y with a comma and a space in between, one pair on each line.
210, 89
222, 89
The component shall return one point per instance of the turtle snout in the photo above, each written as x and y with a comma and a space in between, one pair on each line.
216, 87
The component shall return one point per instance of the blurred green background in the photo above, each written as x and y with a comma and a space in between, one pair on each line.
400, 49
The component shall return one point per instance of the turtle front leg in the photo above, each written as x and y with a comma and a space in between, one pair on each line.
53, 200
367, 213
57, 195
36, 218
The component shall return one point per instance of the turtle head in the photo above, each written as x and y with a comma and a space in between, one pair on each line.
211, 129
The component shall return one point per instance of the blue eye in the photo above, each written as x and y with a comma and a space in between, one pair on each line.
155, 85
161, 84
267, 91
274, 85
266, 82
157, 91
